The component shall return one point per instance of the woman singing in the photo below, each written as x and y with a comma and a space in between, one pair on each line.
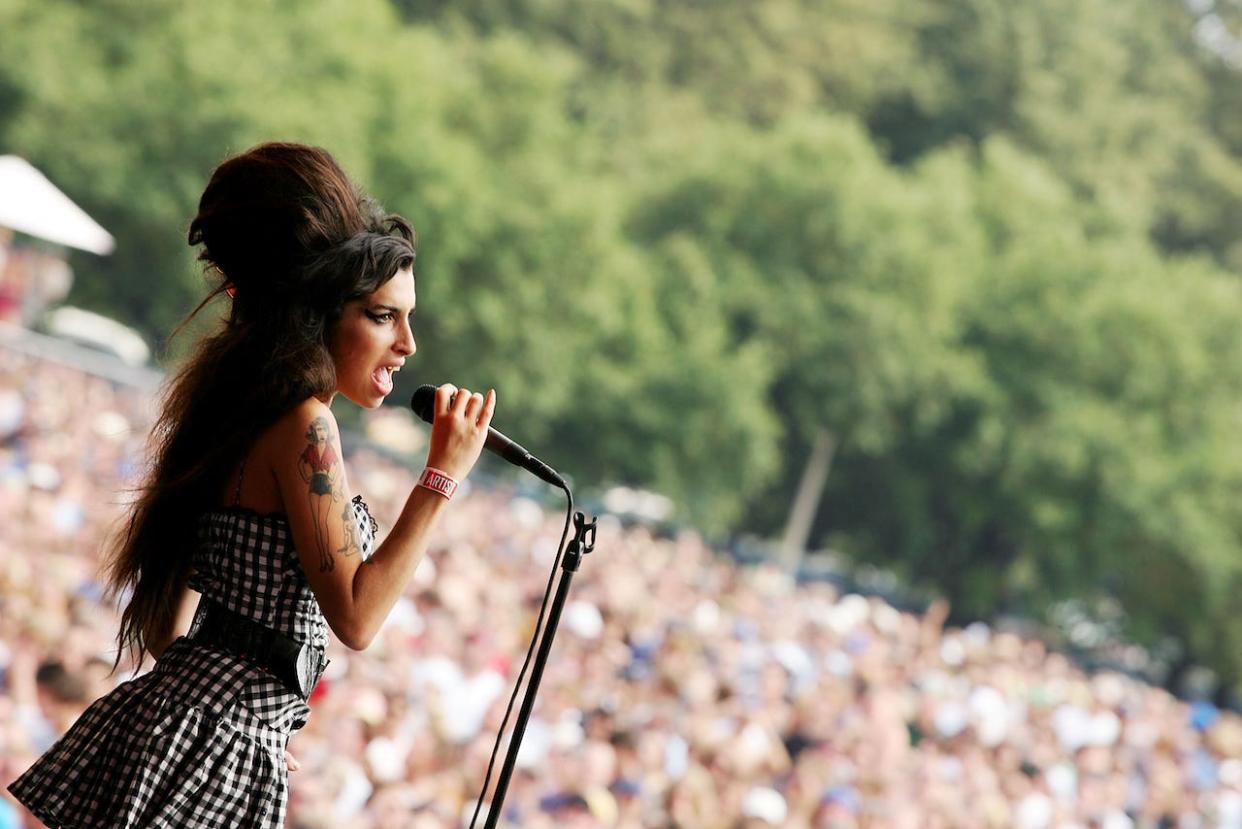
248, 504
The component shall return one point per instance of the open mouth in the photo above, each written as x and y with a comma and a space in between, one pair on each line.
382, 378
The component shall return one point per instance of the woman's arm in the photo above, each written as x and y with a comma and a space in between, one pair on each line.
356, 596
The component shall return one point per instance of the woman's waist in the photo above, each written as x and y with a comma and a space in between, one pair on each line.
294, 616
297, 661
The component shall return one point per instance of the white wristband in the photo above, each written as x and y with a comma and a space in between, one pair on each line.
437, 481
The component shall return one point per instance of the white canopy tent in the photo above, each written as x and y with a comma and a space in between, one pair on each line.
31, 204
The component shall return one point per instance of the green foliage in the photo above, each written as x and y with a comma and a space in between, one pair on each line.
1030, 404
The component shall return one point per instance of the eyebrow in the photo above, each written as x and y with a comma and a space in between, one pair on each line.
392, 308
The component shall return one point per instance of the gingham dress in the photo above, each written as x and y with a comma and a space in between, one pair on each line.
199, 740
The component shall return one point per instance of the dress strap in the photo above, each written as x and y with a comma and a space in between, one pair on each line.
237, 495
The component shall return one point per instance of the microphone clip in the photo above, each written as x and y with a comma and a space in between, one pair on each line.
582, 543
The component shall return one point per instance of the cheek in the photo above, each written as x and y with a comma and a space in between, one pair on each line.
353, 345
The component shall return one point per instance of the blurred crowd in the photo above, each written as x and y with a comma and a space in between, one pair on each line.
682, 690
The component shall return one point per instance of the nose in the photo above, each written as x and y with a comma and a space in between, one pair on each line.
405, 341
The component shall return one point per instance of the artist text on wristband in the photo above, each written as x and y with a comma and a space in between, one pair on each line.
437, 481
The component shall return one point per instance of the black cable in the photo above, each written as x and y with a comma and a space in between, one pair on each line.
556, 563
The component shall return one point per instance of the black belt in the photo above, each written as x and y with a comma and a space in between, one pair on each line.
294, 663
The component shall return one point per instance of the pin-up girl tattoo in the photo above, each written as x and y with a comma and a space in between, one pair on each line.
319, 466
352, 543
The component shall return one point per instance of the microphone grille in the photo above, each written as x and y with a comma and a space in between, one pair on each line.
424, 402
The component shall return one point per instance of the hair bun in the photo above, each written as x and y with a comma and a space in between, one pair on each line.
267, 213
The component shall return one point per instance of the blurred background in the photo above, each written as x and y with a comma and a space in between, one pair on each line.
898, 343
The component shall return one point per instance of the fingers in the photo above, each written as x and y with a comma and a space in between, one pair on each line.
466, 403
473, 406
444, 397
489, 407
460, 401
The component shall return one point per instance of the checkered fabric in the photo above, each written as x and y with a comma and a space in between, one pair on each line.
199, 740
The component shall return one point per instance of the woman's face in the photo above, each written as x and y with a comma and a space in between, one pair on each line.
372, 339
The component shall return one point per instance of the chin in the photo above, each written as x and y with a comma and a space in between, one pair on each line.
368, 400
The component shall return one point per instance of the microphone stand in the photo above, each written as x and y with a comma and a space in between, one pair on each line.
582, 543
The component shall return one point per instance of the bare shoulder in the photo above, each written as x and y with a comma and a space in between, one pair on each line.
305, 444
289, 435
294, 427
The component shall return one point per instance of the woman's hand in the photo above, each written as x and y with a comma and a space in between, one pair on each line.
459, 429
292, 762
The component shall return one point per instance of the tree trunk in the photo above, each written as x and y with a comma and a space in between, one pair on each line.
806, 501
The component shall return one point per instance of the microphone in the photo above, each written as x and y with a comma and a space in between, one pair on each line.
424, 405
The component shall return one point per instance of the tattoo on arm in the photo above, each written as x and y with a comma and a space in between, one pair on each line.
321, 468
352, 543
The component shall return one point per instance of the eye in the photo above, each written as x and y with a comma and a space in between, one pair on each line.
385, 317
